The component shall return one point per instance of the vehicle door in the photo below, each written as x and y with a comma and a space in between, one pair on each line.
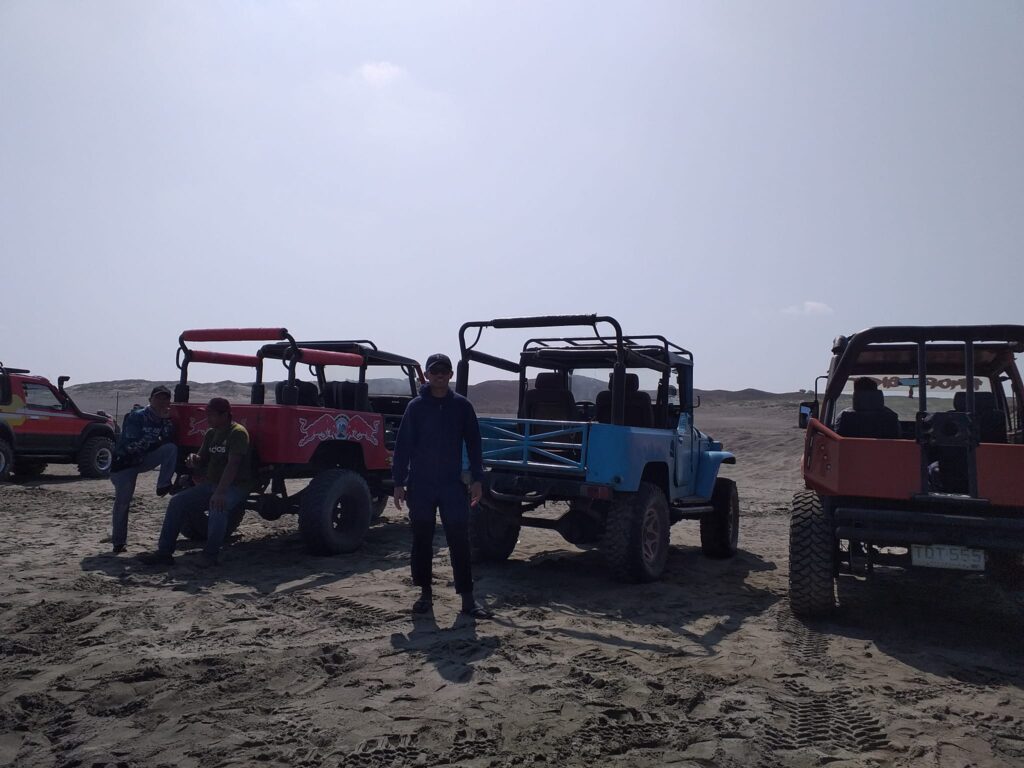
684, 447
48, 426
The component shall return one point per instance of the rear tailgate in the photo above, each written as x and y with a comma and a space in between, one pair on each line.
533, 444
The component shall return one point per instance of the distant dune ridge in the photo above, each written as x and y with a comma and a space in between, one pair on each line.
495, 397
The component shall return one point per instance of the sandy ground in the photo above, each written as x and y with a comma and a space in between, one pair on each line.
279, 658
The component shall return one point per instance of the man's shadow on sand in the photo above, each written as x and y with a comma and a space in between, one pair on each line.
453, 651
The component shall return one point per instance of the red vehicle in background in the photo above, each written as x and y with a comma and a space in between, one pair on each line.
337, 430
40, 424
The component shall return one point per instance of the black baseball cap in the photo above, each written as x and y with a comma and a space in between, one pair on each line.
160, 389
218, 405
438, 359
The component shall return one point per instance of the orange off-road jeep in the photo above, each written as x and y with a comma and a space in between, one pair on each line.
914, 457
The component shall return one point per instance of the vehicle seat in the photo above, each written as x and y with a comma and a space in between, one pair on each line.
991, 421
308, 394
347, 396
639, 411
549, 399
869, 418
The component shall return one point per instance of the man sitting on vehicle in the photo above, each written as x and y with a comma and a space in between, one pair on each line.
145, 443
868, 417
224, 460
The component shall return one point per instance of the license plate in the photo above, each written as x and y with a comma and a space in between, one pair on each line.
945, 556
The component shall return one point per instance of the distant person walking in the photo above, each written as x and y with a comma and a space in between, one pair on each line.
146, 442
428, 475
223, 468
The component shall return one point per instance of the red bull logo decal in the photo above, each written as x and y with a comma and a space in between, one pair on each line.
198, 425
343, 427
357, 428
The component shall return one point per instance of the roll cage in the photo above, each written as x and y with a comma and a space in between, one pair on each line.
599, 351
922, 351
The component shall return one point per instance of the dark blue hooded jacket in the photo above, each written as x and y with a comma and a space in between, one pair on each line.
430, 440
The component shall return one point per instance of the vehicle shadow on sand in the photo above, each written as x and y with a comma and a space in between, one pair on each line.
967, 628
274, 561
692, 588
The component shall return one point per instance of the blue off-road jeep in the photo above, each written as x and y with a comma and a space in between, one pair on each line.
606, 425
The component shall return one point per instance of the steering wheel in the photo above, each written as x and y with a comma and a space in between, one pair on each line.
586, 409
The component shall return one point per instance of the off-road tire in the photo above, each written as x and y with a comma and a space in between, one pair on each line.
493, 532
380, 503
636, 535
335, 512
812, 588
195, 526
95, 457
26, 469
720, 531
6, 460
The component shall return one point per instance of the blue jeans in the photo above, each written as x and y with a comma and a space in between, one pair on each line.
165, 457
196, 500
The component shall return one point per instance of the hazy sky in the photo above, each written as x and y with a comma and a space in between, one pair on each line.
747, 178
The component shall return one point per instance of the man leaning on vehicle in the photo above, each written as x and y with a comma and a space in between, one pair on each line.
145, 443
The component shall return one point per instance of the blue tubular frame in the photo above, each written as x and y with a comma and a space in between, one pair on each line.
534, 447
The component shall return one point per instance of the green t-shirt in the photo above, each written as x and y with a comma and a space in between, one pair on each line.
218, 444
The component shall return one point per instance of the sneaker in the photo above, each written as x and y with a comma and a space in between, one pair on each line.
119, 548
155, 558
476, 611
424, 605
205, 561
163, 490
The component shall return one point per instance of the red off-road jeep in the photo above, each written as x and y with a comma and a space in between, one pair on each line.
40, 424
339, 430
917, 465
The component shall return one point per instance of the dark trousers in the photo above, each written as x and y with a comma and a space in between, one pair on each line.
424, 502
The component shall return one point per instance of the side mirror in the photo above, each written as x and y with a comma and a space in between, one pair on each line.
808, 411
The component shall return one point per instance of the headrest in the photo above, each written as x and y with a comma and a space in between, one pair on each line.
868, 400
632, 382
549, 381
983, 401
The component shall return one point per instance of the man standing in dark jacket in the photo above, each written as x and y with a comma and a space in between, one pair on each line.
428, 475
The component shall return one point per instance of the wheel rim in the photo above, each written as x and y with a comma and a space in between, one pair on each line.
732, 525
104, 457
3, 462
650, 535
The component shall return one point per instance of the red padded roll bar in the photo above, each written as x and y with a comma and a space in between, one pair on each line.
322, 357
235, 334
224, 358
